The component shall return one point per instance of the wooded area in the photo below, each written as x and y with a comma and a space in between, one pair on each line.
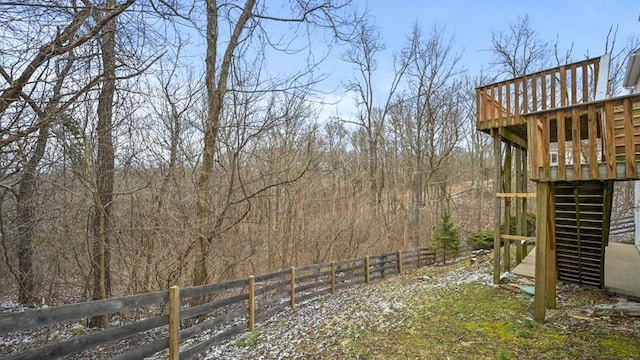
132, 160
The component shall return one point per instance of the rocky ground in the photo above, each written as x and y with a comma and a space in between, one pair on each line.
450, 311
311, 330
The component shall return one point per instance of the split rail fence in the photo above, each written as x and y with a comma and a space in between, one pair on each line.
191, 320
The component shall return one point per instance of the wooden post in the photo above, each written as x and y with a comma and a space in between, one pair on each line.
496, 210
543, 193
292, 289
333, 277
252, 303
525, 217
552, 271
507, 207
366, 270
399, 262
174, 323
519, 216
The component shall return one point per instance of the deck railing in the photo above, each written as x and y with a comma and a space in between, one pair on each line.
503, 103
599, 140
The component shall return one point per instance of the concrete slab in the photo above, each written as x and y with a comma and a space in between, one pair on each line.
621, 268
528, 265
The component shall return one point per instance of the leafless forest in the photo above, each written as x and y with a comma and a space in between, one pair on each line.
147, 143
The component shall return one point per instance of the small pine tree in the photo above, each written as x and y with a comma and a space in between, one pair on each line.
446, 238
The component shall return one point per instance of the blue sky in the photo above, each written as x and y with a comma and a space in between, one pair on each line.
471, 23
586, 22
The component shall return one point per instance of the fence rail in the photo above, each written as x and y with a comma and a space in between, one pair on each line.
163, 320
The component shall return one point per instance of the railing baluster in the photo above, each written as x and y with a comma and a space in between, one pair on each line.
561, 137
508, 95
593, 144
516, 101
610, 146
574, 85
576, 144
525, 94
585, 83
563, 86
553, 104
546, 146
629, 143
543, 89
534, 93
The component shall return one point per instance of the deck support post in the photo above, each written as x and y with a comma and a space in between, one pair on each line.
525, 218
497, 155
552, 268
506, 187
519, 200
545, 286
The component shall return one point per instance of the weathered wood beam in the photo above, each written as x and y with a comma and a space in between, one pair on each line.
507, 206
518, 202
550, 248
516, 195
525, 223
517, 237
497, 155
539, 305
512, 137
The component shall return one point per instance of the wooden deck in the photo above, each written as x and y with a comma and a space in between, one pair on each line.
621, 274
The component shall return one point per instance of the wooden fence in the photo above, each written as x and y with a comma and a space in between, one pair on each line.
173, 319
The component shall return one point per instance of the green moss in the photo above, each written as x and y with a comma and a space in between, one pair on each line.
475, 321
619, 347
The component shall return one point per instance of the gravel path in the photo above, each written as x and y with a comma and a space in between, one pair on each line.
318, 328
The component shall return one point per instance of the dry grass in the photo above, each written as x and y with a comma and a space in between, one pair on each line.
477, 321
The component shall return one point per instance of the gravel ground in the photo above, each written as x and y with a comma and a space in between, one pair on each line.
310, 331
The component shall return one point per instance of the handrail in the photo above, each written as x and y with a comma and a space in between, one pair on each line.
576, 63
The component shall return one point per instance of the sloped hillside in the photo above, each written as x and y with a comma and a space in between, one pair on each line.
441, 312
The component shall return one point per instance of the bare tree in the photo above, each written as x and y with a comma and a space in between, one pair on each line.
27, 63
245, 20
519, 50
371, 115
105, 164
432, 131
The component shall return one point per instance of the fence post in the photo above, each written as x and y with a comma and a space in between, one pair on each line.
366, 269
399, 262
333, 277
174, 323
383, 263
292, 289
252, 303
418, 265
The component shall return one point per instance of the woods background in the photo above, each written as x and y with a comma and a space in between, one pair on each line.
147, 143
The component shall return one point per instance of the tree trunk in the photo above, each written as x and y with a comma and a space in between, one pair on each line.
102, 225
216, 89
26, 219
26, 202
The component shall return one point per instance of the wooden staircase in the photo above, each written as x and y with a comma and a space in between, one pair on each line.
582, 215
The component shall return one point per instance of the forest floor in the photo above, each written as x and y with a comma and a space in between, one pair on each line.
442, 312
